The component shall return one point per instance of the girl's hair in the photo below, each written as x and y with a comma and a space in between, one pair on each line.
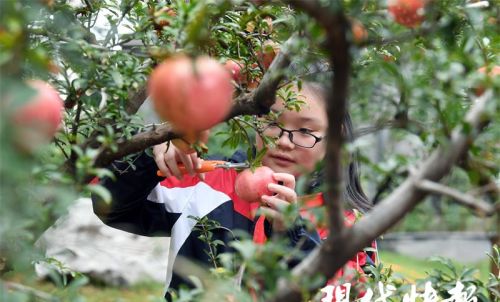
353, 193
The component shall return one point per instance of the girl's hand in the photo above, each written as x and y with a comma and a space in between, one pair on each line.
284, 195
168, 156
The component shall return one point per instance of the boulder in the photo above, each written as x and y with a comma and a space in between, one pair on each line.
83, 243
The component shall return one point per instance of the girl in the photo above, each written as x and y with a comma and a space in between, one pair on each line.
146, 204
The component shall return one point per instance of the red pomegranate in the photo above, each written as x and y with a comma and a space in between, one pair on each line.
409, 13
43, 112
251, 185
37, 121
163, 16
359, 33
193, 94
269, 51
493, 72
235, 69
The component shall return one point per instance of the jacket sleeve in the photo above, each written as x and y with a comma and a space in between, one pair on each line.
130, 210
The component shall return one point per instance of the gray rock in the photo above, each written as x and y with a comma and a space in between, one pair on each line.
84, 244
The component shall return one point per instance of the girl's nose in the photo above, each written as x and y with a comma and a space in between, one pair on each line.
284, 141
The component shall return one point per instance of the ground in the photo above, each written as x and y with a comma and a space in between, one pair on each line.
408, 267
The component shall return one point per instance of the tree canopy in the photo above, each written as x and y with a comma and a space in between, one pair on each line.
431, 81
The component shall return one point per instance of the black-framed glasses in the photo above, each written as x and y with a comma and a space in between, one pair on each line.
299, 137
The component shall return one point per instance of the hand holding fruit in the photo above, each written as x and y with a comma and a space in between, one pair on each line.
282, 195
275, 191
250, 184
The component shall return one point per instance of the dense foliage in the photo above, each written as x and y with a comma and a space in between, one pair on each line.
409, 88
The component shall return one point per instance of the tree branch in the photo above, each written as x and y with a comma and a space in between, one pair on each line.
260, 100
491, 186
134, 103
407, 195
136, 100
392, 209
409, 35
256, 102
323, 260
137, 143
413, 126
481, 207
336, 25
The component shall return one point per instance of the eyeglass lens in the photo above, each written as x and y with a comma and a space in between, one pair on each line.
299, 138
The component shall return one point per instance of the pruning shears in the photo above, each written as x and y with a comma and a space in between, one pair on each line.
211, 165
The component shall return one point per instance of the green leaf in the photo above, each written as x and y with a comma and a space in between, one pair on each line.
117, 78
100, 191
257, 161
246, 248
80, 84
101, 173
218, 242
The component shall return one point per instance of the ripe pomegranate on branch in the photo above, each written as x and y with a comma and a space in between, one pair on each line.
193, 94
37, 121
359, 32
409, 13
235, 69
267, 54
491, 74
163, 16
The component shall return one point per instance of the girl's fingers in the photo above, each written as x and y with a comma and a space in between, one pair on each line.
287, 179
274, 202
159, 157
201, 176
197, 163
171, 162
167, 159
275, 217
284, 196
284, 192
271, 214
196, 160
159, 149
188, 162
160, 162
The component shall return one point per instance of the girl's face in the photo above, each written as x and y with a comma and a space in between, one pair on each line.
287, 157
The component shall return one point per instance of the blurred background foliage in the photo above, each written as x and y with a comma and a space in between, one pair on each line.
409, 88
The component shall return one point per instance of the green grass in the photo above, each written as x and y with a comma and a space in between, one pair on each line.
412, 268
147, 291
143, 292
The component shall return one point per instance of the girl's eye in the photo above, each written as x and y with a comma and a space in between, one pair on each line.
305, 130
